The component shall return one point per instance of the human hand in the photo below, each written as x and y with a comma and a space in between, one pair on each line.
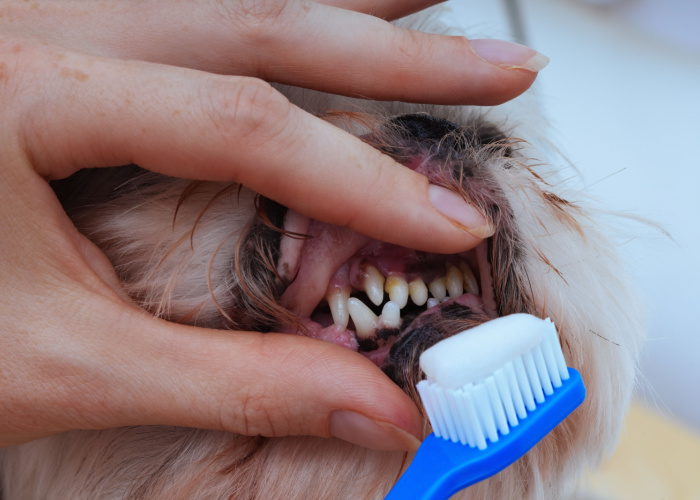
89, 84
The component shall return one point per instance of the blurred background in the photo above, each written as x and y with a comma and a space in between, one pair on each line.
622, 93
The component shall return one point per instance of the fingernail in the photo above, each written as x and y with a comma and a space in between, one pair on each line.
461, 213
509, 55
355, 428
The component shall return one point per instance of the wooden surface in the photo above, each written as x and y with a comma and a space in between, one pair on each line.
657, 459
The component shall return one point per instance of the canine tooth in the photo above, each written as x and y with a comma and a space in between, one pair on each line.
438, 288
418, 291
454, 281
363, 317
470, 283
374, 285
432, 301
338, 302
397, 288
391, 315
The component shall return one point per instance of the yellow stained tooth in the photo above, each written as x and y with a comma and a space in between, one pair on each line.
438, 288
337, 299
374, 285
454, 281
397, 288
418, 291
470, 283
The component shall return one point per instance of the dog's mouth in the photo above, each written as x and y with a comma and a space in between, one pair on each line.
389, 302
369, 295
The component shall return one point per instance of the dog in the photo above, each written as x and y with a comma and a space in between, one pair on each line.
221, 256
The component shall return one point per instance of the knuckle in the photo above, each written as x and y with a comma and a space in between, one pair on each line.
252, 415
249, 110
414, 45
26, 73
252, 18
16, 60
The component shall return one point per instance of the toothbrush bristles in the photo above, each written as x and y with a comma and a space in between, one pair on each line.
482, 410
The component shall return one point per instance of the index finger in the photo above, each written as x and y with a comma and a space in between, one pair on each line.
307, 44
191, 124
344, 52
385, 9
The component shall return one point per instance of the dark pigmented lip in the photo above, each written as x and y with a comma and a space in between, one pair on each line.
402, 361
393, 340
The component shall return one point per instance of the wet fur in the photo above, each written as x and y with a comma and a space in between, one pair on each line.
174, 245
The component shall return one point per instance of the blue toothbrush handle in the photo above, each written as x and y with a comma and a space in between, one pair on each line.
441, 468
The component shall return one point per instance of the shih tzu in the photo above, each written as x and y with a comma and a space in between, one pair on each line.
220, 256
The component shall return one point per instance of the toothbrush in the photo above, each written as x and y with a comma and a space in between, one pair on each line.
492, 392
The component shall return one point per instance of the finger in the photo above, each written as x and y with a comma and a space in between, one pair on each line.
344, 52
194, 125
279, 385
311, 45
123, 368
387, 9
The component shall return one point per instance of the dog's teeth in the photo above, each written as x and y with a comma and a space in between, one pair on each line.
432, 301
363, 317
391, 315
438, 288
418, 291
374, 285
470, 283
338, 303
454, 281
397, 288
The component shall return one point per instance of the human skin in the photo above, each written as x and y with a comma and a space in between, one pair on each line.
180, 88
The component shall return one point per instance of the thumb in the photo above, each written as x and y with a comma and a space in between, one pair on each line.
255, 384
185, 123
260, 384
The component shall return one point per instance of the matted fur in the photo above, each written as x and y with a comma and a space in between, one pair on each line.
183, 267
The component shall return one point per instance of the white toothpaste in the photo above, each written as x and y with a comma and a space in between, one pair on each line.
474, 354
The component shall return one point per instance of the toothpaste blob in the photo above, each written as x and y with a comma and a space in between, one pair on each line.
474, 354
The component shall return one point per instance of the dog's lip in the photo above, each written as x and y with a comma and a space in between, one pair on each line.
323, 252
488, 297
469, 300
